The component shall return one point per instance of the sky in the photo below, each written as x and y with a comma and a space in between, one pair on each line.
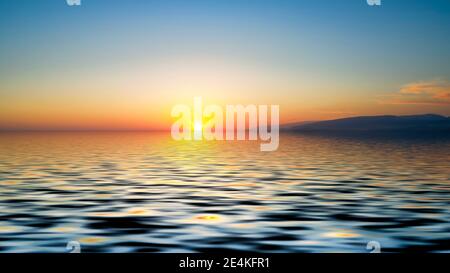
111, 64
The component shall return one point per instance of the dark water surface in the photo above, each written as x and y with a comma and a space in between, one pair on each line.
143, 192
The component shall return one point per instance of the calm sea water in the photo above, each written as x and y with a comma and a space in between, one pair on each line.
143, 192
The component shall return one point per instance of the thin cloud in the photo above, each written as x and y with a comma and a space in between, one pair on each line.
436, 92
336, 112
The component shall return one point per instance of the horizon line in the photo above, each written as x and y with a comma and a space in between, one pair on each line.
111, 130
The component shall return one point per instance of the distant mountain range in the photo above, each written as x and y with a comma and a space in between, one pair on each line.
428, 123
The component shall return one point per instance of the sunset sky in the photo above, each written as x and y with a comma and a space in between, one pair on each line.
124, 64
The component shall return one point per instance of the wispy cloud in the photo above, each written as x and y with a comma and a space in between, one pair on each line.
435, 92
336, 112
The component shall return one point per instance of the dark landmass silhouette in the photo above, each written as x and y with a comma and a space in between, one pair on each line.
430, 124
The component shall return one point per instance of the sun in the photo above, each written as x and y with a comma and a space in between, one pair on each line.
198, 126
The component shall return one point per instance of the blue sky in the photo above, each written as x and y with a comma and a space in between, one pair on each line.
327, 55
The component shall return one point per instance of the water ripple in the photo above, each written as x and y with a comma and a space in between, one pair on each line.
143, 192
